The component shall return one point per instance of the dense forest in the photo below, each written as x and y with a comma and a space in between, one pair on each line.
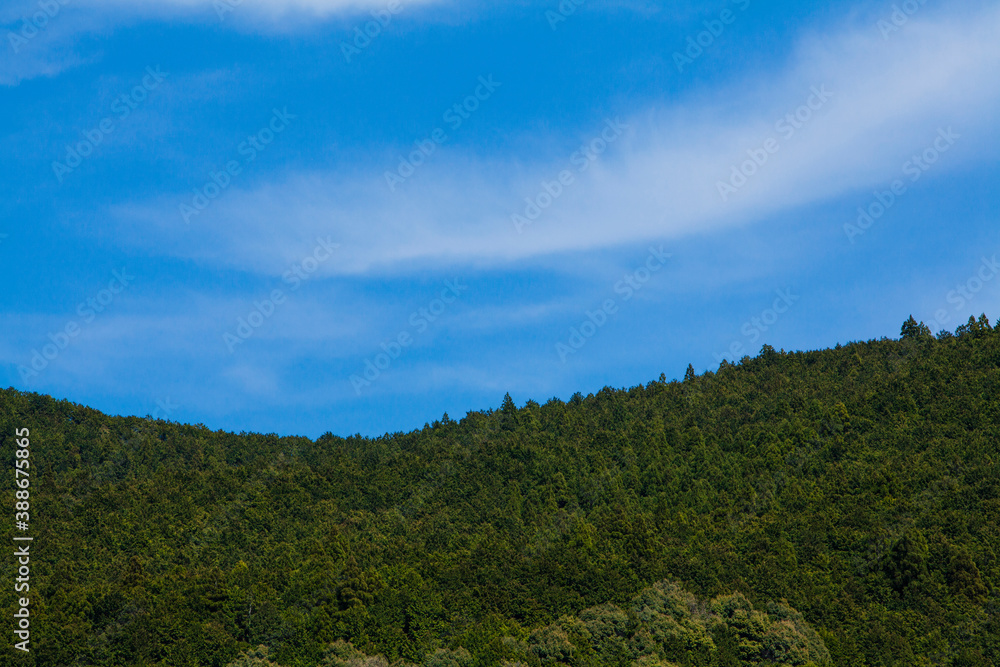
834, 507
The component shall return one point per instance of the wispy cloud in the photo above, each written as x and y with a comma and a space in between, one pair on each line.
270, 7
44, 43
44, 39
888, 100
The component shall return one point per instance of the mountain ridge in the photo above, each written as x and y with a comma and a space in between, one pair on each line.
858, 483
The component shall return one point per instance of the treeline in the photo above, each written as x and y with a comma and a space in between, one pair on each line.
859, 486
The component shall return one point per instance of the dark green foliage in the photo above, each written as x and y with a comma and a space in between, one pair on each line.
907, 562
913, 330
860, 486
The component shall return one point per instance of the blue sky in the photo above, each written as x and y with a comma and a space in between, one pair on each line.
252, 215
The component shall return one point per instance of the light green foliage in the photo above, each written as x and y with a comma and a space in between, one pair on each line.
737, 616
667, 624
791, 639
447, 658
652, 661
552, 644
343, 654
668, 614
257, 657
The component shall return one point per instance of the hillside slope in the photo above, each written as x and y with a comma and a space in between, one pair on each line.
858, 487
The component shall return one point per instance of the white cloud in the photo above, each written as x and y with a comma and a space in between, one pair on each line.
271, 7
658, 182
42, 39
30, 51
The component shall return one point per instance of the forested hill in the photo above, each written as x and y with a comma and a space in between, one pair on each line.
832, 507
